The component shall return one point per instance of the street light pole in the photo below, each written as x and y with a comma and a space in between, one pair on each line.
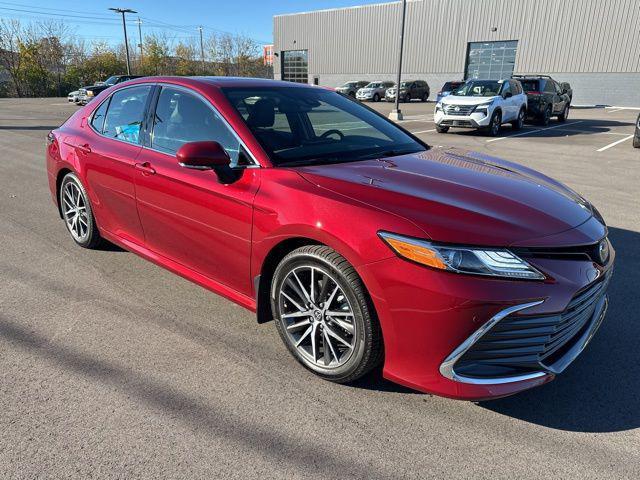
201, 49
140, 44
124, 27
396, 114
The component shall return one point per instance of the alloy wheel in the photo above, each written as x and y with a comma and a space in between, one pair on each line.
74, 209
317, 316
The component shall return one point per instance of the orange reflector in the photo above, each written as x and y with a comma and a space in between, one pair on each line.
417, 253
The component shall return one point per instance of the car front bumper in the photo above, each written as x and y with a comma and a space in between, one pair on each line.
475, 120
366, 96
430, 319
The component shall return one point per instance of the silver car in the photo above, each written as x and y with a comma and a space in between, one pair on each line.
374, 91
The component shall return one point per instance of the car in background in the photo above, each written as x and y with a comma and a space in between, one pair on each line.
447, 88
483, 105
566, 87
350, 88
73, 96
545, 98
636, 135
89, 93
462, 274
374, 91
409, 89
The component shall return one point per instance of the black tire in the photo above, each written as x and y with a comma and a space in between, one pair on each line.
565, 114
440, 129
636, 141
407, 98
519, 122
546, 116
494, 124
352, 94
376, 97
92, 237
366, 352
425, 97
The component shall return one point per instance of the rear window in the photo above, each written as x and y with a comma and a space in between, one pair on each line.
530, 85
450, 86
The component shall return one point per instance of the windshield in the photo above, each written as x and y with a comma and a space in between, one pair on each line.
111, 80
374, 85
405, 84
310, 126
349, 85
479, 88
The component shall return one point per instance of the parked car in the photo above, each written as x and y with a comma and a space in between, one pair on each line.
468, 276
545, 98
350, 88
447, 88
89, 93
409, 89
73, 96
484, 105
566, 87
636, 135
373, 91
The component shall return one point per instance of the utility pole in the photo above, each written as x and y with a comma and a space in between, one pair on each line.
140, 38
124, 27
202, 49
396, 114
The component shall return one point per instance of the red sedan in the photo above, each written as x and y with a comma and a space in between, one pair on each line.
463, 275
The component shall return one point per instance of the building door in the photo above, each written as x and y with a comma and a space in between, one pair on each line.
295, 67
490, 60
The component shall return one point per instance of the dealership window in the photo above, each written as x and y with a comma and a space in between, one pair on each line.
295, 67
491, 60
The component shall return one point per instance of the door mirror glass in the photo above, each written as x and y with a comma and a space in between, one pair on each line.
205, 155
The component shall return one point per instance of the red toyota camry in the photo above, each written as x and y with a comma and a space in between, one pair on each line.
463, 275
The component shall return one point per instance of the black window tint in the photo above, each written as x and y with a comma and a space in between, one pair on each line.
530, 85
548, 86
97, 121
182, 117
125, 114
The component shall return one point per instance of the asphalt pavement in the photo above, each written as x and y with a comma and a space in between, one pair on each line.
111, 367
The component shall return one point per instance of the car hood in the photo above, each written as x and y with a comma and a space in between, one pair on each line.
459, 196
460, 100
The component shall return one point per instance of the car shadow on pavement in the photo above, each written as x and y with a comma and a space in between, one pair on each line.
600, 392
572, 127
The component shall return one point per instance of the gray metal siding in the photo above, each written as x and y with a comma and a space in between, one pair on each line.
560, 36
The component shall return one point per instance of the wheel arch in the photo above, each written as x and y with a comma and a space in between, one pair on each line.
60, 175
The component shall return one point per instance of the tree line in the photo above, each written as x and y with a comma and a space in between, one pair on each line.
46, 59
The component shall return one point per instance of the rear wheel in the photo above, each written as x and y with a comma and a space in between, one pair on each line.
425, 97
77, 213
376, 98
519, 122
324, 315
546, 116
407, 98
440, 129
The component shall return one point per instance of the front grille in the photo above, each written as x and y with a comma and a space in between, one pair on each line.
521, 344
456, 123
581, 252
462, 110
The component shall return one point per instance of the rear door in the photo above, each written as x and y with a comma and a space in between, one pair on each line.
108, 147
188, 216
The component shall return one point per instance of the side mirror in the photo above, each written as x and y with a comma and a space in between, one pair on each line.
206, 156
564, 91
508, 94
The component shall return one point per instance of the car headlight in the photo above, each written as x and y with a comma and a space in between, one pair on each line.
483, 107
496, 262
439, 107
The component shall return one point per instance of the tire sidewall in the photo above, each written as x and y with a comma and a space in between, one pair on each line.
91, 224
362, 327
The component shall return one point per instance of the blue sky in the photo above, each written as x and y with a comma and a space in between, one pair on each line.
179, 18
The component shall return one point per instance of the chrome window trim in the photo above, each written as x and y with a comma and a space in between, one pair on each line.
447, 367
255, 164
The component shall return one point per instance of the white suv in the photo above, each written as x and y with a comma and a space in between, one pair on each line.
483, 104
374, 91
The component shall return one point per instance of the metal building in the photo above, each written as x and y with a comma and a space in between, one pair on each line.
593, 44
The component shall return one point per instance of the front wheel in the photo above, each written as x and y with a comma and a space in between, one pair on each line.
425, 97
494, 124
324, 315
440, 129
519, 122
76, 212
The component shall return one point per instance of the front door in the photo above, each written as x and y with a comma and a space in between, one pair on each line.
187, 215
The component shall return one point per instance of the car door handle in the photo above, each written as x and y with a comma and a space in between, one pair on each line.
84, 148
145, 168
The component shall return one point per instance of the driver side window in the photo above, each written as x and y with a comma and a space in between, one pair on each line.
326, 118
181, 117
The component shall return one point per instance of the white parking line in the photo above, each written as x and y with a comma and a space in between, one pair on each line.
533, 131
613, 110
615, 143
423, 131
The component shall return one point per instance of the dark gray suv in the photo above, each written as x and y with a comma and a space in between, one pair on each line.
409, 89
